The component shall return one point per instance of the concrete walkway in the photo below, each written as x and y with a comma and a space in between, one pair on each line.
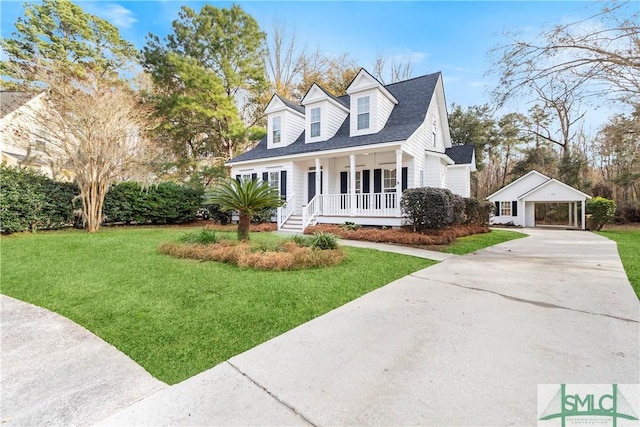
465, 342
54, 372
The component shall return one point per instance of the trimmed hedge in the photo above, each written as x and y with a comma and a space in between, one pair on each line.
32, 201
165, 203
431, 208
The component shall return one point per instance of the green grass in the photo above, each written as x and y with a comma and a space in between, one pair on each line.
629, 249
178, 317
475, 242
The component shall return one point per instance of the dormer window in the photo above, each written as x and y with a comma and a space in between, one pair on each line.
276, 129
363, 113
315, 122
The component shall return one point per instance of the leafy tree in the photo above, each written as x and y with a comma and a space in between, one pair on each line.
475, 125
61, 33
206, 74
93, 121
247, 197
332, 73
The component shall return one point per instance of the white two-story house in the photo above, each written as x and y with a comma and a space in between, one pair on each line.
348, 158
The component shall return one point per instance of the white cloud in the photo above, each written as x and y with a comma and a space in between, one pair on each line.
118, 15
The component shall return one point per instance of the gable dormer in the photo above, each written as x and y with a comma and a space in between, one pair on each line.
370, 105
324, 114
285, 122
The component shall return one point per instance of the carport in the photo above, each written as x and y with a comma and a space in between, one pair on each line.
516, 202
554, 191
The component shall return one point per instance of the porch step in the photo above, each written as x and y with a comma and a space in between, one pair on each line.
294, 223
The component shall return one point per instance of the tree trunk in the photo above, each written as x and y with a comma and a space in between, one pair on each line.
243, 227
93, 195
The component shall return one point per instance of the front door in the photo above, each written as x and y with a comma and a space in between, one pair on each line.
311, 185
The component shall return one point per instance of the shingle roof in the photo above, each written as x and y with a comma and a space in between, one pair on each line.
413, 97
298, 108
11, 101
461, 154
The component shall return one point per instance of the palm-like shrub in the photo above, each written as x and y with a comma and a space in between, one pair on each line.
247, 198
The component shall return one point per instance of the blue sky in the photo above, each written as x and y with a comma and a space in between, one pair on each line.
449, 36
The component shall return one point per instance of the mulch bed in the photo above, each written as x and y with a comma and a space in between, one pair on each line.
400, 236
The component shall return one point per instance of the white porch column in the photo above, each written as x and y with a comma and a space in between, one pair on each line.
352, 184
584, 217
570, 215
575, 214
318, 172
398, 180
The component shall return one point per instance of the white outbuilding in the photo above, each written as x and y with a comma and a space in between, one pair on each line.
516, 202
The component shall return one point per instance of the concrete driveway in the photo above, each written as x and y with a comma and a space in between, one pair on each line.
465, 342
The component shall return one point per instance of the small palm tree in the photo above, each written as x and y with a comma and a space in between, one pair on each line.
247, 198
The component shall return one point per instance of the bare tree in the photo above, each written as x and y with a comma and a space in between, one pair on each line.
284, 60
394, 70
96, 128
602, 50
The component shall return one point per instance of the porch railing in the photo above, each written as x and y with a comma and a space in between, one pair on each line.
286, 210
310, 212
372, 204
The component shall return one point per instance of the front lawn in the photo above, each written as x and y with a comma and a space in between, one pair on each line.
179, 317
629, 249
467, 244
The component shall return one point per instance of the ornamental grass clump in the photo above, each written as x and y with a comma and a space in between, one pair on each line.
320, 251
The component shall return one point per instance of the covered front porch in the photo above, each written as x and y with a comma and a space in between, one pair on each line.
359, 187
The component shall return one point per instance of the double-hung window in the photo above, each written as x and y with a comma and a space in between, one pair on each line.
315, 122
389, 180
505, 208
274, 181
246, 177
363, 113
276, 130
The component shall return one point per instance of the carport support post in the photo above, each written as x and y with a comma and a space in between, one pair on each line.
584, 217
352, 186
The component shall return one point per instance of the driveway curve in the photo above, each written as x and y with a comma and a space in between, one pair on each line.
464, 342
55, 372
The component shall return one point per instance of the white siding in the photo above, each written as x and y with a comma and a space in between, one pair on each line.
432, 172
518, 187
259, 168
373, 109
459, 180
291, 123
383, 110
331, 118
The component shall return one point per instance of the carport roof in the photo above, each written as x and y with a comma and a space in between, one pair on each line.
552, 181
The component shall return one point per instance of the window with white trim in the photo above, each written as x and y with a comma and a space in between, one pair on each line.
245, 177
274, 181
315, 122
505, 208
363, 113
389, 180
276, 130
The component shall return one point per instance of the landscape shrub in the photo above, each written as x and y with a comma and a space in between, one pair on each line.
405, 237
213, 212
32, 201
602, 211
458, 205
427, 208
324, 241
628, 213
348, 225
203, 237
263, 216
165, 203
